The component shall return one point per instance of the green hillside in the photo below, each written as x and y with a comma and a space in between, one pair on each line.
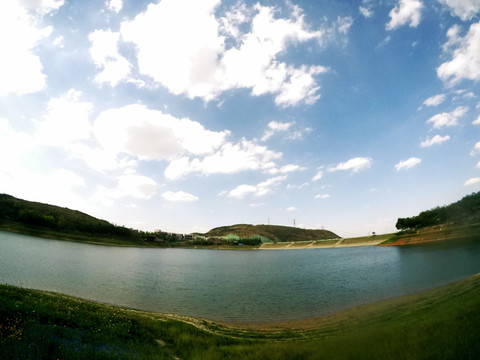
462, 212
273, 233
38, 219
458, 221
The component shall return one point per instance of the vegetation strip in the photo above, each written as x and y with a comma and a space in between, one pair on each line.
440, 323
457, 221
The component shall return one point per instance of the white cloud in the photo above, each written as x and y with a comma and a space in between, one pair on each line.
128, 185
465, 62
273, 127
298, 187
182, 60
284, 169
254, 205
365, 11
279, 126
21, 71
454, 38
66, 121
406, 11
435, 100
137, 186
179, 196
384, 42
476, 121
57, 188
300, 86
464, 9
59, 41
472, 181
437, 139
478, 165
105, 55
115, 5
322, 196
196, 54
260, 189
41, 7
355, 164
135, 132
343, 24
298, 134
448, 119
408, 164
228, 159
14, 146
476, 149
23, 174
152, 135
318, 175
100, 159
291, 208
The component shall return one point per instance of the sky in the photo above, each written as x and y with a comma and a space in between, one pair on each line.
185, 115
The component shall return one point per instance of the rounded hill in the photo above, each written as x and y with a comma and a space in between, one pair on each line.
274, 233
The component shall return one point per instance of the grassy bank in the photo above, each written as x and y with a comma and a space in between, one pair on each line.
436, 234
437, 324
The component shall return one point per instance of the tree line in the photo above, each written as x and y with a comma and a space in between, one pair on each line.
39, 215
464, 211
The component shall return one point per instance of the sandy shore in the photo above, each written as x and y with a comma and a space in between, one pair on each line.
323, 244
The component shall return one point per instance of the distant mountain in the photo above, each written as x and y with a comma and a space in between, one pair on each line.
273, 233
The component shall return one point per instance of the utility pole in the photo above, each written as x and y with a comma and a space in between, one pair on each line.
294, 223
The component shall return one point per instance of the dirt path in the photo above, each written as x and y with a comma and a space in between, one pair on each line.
338, 242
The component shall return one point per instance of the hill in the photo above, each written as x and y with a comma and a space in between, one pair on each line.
274, 233
462, 212
39, 219
457, 221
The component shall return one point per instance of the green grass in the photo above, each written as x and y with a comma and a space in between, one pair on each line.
366, 239
437, 324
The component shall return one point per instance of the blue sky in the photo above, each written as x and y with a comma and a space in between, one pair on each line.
186, 115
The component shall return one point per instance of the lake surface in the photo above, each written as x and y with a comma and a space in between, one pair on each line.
233, 286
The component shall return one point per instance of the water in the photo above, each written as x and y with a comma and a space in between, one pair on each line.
234, 286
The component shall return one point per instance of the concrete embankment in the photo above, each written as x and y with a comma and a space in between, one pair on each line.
324, 244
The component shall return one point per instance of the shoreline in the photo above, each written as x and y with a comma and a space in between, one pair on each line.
428, 324
324, 244
337, 318
353, 313
292, 245
342, 317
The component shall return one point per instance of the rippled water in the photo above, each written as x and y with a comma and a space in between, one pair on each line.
235, 286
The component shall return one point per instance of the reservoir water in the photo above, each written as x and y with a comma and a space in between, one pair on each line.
233, 286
